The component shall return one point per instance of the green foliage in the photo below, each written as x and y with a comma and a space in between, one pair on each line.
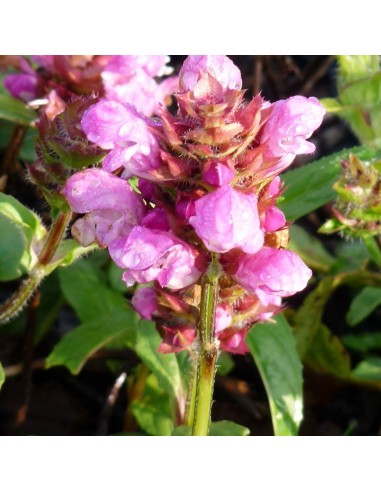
310, 187
153, 411
363, 305
220, 428
2, 376
104, 313
363, 342
12, 247
368, 370
225, 364
310, 249
164, 366
22, 232
359, 96
273, 349
327, 354
13, 110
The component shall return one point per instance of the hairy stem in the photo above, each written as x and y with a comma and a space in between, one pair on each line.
18, 300
207, 351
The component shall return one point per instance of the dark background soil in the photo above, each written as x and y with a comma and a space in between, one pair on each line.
54, 402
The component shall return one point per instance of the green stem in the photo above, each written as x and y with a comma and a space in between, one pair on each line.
207, 352
18, 300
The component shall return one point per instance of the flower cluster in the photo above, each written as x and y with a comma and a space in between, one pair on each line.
53, 80
208, 185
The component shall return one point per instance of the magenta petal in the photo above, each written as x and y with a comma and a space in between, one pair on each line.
292, 121
218, 174
96, 189
271, 271
219, 67
22, 86
144, 302
227, 219
155, 255
102, 122
274, 219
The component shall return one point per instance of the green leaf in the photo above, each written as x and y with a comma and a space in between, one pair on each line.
153, 411
227, 428
77, 346
82, 286
220, 428
363, 305
67, 253
308, 317
310, 186
368, 370
12, 246
115, 278
328, 355
2, 376
273, 348
164, 366
310, 249
373, 249
12, 109
355, 67
225, 364
363, 342
29, 224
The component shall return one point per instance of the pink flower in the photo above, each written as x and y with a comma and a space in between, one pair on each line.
292, 121
217, 174
112, 208
144, 301
223, 317
112, 125
155, 255
227, 219
219, 67
272, 272
233, 340
129, 79
23, 86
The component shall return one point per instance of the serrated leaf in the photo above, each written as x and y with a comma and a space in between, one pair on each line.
164, 366
273, 349
2, 376
12, 245
310, 249
327, 354
12, 109
153, 410
363, 305
363, 342
77, 346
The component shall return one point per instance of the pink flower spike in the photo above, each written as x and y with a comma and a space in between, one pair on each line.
217, 174
219, 67
144, 301
155, 255
272, 272
227, 219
